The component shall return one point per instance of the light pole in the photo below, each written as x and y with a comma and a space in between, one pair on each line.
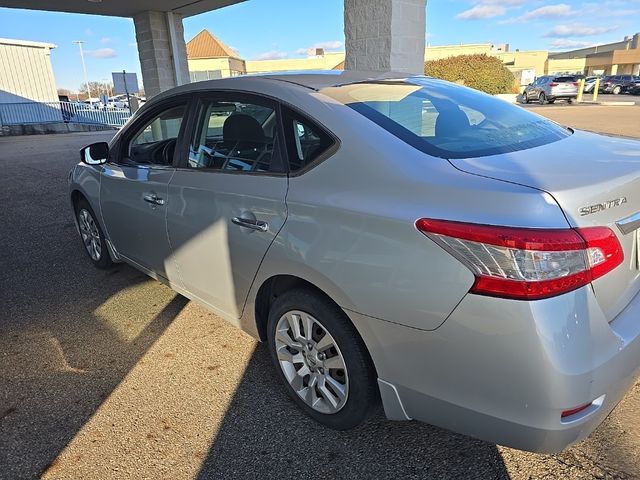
84, 68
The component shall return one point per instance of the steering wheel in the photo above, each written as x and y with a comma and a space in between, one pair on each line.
167, 152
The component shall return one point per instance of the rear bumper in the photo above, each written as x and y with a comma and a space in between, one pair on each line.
505, 370
561, 96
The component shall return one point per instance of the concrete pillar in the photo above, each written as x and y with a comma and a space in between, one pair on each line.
614, 69
385, 35
162, 51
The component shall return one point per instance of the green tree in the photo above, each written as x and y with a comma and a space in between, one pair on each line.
479, 71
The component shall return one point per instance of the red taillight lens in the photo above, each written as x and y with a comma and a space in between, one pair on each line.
527, 263
575, 84
573, 411
553, 84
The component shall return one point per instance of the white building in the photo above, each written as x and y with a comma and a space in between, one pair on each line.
26, 74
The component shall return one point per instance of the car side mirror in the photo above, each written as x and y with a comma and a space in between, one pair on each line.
95, 154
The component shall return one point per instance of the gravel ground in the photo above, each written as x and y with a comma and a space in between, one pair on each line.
113, 375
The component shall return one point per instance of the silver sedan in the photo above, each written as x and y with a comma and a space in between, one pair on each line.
395, 240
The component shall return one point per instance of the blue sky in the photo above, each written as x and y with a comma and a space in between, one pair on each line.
287, 28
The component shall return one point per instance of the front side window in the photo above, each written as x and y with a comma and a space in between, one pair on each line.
447, 120
236, 137
155, 142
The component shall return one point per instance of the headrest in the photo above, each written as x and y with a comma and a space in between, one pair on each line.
240, 127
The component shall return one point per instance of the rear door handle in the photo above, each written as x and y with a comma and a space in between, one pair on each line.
153, 198
258, 225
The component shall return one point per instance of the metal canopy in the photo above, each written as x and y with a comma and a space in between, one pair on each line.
120, 8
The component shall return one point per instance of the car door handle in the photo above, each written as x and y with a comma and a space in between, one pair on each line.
252, 224
153, 198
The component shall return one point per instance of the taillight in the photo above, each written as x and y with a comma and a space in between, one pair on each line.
527, 263
553, 84
575, 84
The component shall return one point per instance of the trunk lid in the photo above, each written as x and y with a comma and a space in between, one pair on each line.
596, 181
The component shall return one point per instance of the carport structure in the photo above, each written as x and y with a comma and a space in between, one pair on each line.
381, 35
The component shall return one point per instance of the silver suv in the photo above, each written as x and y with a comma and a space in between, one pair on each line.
550, 88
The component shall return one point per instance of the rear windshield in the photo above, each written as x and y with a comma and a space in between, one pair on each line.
565, 79
447, 120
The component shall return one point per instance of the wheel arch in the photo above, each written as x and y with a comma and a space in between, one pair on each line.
272, 288
76, 196
279, 284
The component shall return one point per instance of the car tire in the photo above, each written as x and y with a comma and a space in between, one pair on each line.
542, 98
339, 398
92, 236
616, 90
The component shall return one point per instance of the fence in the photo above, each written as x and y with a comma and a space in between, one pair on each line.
55, 112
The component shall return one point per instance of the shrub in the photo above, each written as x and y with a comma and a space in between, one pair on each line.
479, 71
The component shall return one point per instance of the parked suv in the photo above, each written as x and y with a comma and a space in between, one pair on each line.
550, 88
617, 83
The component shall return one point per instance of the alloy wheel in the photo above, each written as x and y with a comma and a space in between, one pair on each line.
312, 362
90, 234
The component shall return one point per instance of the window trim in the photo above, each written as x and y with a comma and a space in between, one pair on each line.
199, 102
127, 136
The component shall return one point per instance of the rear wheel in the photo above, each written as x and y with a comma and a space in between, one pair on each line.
321, 359
92, 236
542, 99
616, 90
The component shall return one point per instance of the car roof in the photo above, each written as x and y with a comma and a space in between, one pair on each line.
314, 80
331, 78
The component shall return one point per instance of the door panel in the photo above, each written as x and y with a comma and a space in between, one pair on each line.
217, 258
227, 199
135, 224
133, 189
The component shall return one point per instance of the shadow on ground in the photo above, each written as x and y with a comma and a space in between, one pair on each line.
277, 440
62, 352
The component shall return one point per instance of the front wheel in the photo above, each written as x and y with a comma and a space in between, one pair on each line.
92, 236
321, 359
616, 90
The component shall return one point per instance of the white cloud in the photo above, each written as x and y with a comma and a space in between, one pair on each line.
482, 11
106, 40
578, 30
548, 11
565, 43
271, 55
101, 53
329, 45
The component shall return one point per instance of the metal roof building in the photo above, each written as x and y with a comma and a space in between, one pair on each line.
26, 73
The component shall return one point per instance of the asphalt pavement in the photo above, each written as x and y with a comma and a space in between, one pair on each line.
109, 374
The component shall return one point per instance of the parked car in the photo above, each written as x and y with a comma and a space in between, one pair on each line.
634, 89
589, 84
550, 88
617, 84
403, 240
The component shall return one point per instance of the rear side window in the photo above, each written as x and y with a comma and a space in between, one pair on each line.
235, 136
447, 120
306, 141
